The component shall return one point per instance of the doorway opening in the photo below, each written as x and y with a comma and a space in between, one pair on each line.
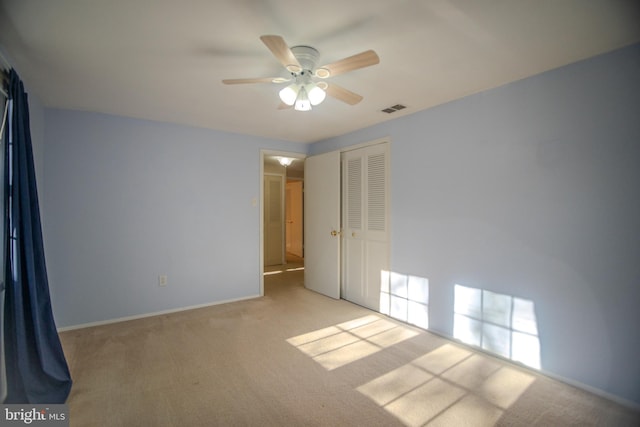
282, 229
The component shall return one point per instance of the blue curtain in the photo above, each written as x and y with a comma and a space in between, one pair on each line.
37, 370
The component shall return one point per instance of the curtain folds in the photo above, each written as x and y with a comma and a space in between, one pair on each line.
36, 368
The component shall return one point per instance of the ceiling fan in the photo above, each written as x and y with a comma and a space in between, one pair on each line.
301, 62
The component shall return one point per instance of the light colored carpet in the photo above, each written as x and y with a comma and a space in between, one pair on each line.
296, 358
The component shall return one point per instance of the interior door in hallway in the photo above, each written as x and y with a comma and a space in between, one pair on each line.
293, 217
273, 219
365, 191
322, 223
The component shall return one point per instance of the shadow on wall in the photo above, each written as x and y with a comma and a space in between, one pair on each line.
499, 323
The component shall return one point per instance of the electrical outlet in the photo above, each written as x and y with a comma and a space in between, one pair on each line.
162, 280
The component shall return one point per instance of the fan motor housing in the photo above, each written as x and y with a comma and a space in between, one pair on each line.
307, 56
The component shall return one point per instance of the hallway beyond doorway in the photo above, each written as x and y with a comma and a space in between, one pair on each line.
284, 277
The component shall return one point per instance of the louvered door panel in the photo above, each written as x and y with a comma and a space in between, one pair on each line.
376, 192
365, 221
354, 194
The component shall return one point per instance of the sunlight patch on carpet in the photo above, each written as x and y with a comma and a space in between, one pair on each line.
271, 273
350, 341
448, 386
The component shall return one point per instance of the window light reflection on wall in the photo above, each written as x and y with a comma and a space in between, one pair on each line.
405, 297
499, 323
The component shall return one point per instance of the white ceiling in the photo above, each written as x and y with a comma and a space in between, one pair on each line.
165, 59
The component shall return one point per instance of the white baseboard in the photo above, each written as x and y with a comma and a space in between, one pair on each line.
155, 313
577, 384
598, 392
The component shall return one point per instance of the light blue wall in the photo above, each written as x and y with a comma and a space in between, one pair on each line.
532, 190
127, 200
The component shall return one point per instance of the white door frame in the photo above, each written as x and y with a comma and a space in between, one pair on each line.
263, 154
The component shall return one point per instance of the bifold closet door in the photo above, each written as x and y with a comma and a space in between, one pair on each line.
365, 220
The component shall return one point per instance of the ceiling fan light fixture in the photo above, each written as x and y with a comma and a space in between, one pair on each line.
316, 95
302, 101
285, 161
289, 94
300, 61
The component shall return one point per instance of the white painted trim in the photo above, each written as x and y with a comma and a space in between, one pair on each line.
261, 225
266, 152
598, 392
155, 313
365, 144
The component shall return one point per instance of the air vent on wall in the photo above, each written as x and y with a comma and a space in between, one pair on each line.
394, 108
